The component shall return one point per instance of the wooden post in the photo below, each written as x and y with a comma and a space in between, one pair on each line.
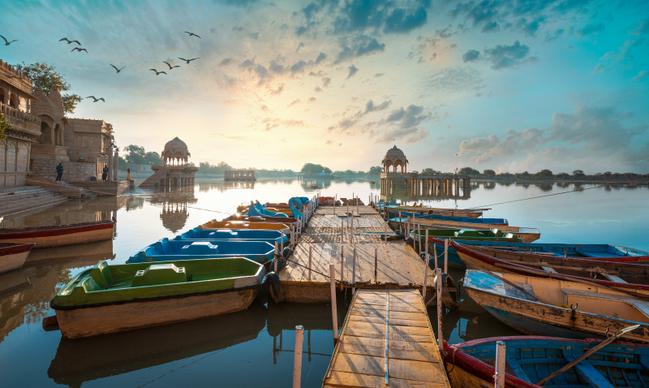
342, 231
342, 263
426, 260
275, 258
501, 353
310, 249
334, 306
446, 255
297, 356
376, 259
351, 230
440, 307
435, 256
354, 270
281, 245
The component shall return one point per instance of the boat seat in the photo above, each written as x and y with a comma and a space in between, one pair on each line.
640, 305
101, 275
613, 278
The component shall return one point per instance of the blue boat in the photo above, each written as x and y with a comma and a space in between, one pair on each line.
406, 215
532, 358
200, 234
165, 249
257, 209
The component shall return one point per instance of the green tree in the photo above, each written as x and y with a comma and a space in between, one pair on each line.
375, 170
489, 173
45, 78
429, 171
152, 158
469, 171
3, 126
314, 169
134, 154
578, 173
545, 173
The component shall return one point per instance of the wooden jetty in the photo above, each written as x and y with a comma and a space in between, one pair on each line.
387, 340
353, 238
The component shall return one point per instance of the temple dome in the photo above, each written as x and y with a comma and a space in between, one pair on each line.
395, 154
175, 149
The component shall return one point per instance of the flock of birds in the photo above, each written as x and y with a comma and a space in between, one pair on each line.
79, 48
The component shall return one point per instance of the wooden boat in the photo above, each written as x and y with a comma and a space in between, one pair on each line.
13, 256
524, 233
55, 236
630, 278
245, 225
556, 307
483, 220
463, 235
286, 220
168, 250
198, 234
473, 213
532, 358
108, 299
566, 250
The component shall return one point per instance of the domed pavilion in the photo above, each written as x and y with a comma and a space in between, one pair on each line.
395, 158
175, 152
176, 172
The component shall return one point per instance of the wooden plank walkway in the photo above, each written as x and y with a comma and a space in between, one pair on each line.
331, 236
391, 323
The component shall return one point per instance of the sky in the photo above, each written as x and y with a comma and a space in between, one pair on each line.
510, 85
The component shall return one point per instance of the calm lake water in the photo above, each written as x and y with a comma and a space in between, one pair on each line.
254, 347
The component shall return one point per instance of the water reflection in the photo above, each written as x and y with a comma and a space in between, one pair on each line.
80, 360
174, 212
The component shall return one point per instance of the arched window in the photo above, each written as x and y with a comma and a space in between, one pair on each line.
14, 102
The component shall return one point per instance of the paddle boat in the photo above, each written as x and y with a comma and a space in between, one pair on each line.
55, 236
565, 250
108, 299
464, 235
631, 278
257, 209
530, 359
198, 234
473, 213
407, 215
557, 307
233, 224
13, 256
283, 220
524, 233
166, 250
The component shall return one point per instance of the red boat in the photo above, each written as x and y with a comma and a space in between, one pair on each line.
56, 236
13, 256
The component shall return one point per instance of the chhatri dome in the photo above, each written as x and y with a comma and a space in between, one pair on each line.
175, 151
393, 158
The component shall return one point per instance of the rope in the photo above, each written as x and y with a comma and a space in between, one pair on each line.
541, 196
209, 210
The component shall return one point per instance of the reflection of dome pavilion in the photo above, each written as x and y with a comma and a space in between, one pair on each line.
393, 158
176, 171
174, 212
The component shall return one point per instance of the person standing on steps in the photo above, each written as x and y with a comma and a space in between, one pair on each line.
59, 171
104, 173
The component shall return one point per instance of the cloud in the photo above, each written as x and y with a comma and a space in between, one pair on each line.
352, 70
370, 107
471, 55
358, 46
641, 75
226, 61
272, 123
504, 56
321, 57
600, 136
409, 117
591, 28
455, 80
326, 81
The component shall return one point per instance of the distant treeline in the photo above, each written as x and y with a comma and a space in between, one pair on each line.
309, 170
545, 174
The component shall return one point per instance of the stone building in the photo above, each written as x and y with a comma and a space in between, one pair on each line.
175, 172
24, 128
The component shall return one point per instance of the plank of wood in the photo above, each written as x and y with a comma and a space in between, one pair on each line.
346, 379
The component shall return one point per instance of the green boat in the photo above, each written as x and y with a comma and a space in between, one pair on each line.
460, 235
113, 298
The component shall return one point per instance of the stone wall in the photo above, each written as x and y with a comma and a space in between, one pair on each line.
14, 161
72, 171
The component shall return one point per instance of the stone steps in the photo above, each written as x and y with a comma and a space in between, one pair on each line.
27, 198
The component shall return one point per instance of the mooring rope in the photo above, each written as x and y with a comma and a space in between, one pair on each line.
575, 190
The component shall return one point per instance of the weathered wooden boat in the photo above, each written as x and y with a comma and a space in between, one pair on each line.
214, 224
13, 256
532, 358
198, 234
166, 250
567, 250
556, 307
632, 279
473, 213
108, 299
524, 233
463, 235
482, 220
284, 220
55, 236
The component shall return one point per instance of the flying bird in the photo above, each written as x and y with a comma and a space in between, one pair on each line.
79, 49
117, 69
68, 41
8, 42
171, 67
187, 60
95, 99
158, 72
192, 34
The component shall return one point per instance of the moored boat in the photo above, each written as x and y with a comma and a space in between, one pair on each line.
483, 220
13, 256
167, 250
532, 358
245, 225
544, 305
473, 213
567, 249
54, 236
524, 233
198, 234
108, 299
631, 278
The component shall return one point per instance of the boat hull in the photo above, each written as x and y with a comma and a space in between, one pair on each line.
60, 236
13, 257
113, 318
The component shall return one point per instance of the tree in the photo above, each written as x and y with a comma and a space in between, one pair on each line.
45, 78
152, 158
469, 171
489, 173
134, 154
375, 170
3, 126
314, 169
578, 173
429, 171
545, 173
